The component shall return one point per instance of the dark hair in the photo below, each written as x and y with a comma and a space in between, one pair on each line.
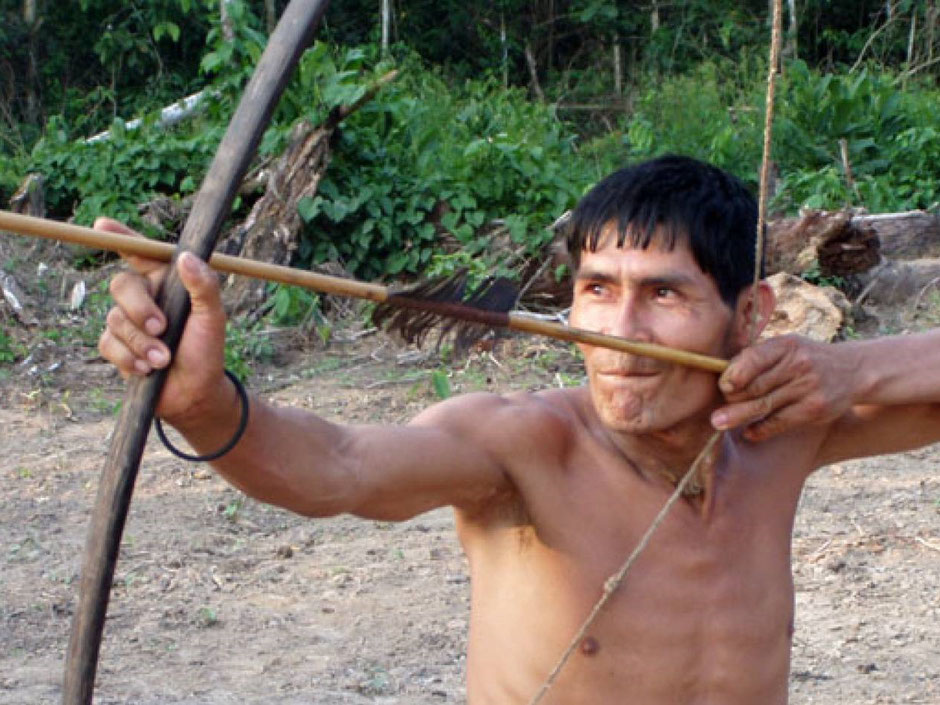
686, 199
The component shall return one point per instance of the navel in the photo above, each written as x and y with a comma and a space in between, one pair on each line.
590, 646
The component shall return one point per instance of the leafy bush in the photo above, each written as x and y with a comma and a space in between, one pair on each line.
113, 176
709, 114
891, 134
426, 165
892, 141
424, 174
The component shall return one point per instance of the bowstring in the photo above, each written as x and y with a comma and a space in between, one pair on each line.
612, 584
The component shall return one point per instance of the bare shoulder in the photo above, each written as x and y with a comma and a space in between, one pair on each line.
528, 436
508, 425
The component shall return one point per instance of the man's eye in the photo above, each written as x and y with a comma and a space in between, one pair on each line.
664, 292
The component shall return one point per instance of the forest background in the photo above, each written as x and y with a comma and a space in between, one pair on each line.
504, 112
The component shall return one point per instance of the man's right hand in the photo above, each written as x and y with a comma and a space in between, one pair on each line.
131, 337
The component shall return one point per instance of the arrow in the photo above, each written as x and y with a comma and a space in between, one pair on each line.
152, 249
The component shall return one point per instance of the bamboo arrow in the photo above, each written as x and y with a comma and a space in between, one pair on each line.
212, 204
338, 286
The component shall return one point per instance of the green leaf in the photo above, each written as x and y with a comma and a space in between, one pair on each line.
309, 208
441, 384
282, 302
396, 262
517, 227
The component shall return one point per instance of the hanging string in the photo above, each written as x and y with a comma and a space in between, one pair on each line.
614, 581
612, 584
773, 69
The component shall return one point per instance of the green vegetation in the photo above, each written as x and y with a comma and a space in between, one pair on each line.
474, 142
441, 384
427, 163
245, 345
10, 349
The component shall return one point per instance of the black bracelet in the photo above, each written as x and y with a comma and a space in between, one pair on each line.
243, 395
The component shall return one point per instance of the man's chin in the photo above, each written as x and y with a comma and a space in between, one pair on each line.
624, 420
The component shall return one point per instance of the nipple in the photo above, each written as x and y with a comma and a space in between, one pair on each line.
589, 646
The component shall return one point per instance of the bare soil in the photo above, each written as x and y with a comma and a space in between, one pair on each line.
221, 600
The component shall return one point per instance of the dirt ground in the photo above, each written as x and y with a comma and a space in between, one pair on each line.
221, 600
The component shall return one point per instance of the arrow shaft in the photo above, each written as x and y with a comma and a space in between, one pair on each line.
338, 286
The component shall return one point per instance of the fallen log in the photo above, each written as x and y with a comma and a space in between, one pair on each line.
840, 243
169, 116
835, 242
911, 235
900, 282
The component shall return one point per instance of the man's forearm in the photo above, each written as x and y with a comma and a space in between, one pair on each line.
898, 370
286, 457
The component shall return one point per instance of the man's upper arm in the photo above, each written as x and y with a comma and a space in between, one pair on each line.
448, 455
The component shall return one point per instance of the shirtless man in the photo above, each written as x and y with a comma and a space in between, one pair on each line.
553, 489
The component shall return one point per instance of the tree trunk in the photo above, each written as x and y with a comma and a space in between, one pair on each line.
228, 31
270, 15
533, 72
504, 47
30, 197
551, 35
905, 235
794, 29
910, 38
386, 22
901, 282
32, 20
831, 241
931, 28
271, 232
618, 71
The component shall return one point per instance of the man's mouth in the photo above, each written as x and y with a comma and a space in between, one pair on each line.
629, 373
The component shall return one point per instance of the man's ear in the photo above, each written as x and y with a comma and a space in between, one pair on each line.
747, 329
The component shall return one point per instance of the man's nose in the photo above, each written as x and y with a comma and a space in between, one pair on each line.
631, 322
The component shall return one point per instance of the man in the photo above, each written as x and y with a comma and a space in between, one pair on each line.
553, 489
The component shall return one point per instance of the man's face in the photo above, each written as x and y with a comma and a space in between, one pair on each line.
656, 296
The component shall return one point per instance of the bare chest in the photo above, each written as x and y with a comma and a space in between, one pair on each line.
708, 598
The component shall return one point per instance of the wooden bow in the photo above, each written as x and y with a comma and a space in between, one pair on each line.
211, 206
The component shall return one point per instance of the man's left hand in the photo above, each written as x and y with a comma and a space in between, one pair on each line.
783, 383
